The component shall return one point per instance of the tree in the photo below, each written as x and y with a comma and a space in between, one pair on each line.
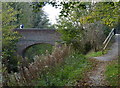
10, 38
40, 20
106, 12
90, 26
28, 17
25, 15
72, 30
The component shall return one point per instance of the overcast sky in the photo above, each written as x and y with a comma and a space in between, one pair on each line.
52, 13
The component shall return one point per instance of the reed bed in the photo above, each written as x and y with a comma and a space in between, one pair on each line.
28, 75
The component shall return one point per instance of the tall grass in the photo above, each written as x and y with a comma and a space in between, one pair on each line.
67, 73
28, 76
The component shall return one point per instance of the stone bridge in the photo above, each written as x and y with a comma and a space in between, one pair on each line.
33, 36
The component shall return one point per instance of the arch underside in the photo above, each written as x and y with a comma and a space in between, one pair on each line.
23, 46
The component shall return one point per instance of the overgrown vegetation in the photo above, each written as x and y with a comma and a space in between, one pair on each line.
38, 50
28, 75
9, 38
66, 73
84, 25
83, 35
112, 73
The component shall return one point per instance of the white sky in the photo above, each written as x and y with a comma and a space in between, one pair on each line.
52, 13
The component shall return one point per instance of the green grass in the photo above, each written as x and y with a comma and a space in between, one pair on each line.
67, 73
95, 54
112, 73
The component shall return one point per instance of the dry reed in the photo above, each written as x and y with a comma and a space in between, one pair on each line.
28, 76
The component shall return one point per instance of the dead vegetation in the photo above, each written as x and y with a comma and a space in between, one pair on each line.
27, 76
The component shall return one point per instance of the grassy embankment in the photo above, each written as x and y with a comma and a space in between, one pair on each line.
66, 73
69, 72
94, 54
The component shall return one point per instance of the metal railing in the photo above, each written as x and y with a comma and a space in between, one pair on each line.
107, 40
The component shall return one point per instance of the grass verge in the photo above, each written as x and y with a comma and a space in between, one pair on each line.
94, 54
112, 73
67, 73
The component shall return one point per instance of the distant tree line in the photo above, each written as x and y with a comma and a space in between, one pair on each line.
28, 17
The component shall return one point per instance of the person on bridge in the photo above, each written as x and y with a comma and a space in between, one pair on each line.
21, 26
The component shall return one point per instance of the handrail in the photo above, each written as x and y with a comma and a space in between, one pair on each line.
108, 36
107, 40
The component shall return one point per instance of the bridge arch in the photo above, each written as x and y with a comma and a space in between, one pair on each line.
27, 44
25, 49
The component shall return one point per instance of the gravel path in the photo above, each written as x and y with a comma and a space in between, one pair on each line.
97, 77
113, 52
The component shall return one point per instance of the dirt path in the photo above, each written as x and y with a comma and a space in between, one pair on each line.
96, 77
113, 52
